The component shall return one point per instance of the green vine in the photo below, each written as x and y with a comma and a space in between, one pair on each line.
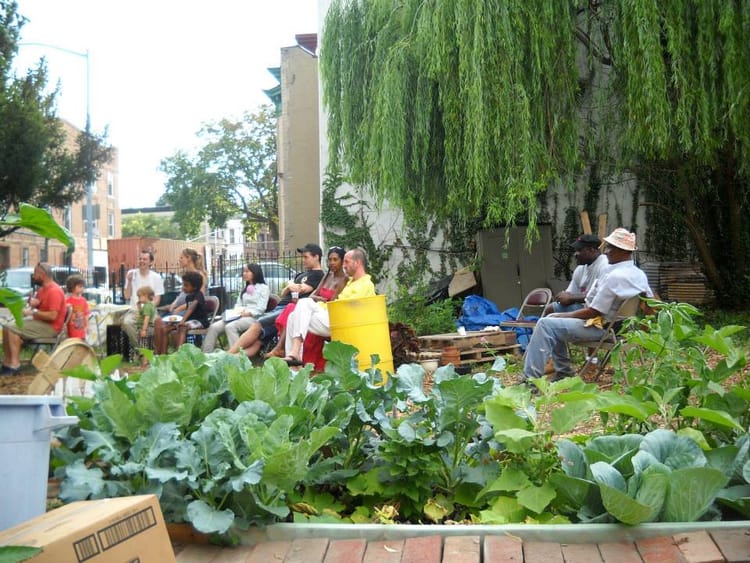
344, 220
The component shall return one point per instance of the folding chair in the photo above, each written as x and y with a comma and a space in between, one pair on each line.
626, 309
536, 300
53, 341
195, 335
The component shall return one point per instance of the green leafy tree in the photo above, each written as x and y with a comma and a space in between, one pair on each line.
477, 107
36, 164
149, 225
233, 173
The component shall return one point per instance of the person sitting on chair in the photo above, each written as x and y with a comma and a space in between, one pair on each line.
134, 280
303, 285
359, 285
591, 265
622, 280
43, 318
253, 301
195, 316
328, 290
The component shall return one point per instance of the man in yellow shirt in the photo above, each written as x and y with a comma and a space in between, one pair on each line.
359, 285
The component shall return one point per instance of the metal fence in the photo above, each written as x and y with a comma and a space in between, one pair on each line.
224, 275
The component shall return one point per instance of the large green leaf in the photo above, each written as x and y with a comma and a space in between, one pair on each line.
536, 498
576, 493
565, 418
121, 413
626, 404
625, 509
691, 491
502, 417
41, 222
653, 489
207, 519
410, 380
572, 458
714, 416
673, 450
737, 498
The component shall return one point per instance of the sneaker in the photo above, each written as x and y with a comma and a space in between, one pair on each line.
559, 377
7, 370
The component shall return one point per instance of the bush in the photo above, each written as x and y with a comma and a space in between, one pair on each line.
414, 311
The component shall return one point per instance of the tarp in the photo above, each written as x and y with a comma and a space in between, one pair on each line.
478, 313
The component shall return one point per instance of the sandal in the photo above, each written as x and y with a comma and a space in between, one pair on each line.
292, 361
275, 353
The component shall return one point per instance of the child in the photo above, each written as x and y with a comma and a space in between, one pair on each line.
195, 316
146, 314
79, 320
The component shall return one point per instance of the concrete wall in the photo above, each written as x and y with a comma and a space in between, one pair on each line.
298, 151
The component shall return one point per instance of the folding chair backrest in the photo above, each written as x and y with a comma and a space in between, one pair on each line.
627, 308
212, 306
535, 302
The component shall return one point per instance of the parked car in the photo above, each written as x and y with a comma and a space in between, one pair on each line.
18, 279
277, 275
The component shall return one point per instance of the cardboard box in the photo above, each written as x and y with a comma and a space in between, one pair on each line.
116, 530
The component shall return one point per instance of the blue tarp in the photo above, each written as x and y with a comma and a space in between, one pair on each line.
478, 312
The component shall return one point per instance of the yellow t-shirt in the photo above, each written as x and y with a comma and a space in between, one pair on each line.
355, 289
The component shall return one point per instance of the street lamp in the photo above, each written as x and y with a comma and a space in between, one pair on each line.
90, 187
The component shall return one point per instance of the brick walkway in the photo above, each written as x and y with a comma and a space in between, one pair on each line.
693, 547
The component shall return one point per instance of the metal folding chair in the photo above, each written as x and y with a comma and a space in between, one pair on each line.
53, 341
195, 335
535, 301
626, 309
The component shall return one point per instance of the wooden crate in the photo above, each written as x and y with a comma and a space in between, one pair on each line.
472, 339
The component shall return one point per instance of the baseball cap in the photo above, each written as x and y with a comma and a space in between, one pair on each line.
586, 240
312, 248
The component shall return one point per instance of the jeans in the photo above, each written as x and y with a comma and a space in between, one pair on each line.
550, 339
238, 326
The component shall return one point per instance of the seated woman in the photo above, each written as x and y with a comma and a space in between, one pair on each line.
327, 290
299, 319
195, 316
253, 300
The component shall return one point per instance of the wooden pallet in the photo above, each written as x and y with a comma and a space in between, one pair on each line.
472, 339
485, 355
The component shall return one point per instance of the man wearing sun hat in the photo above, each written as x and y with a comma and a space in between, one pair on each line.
591, 265
622, 280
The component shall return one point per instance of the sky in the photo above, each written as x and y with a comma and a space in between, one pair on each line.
158, 69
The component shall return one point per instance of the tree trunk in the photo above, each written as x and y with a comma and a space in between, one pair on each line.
699, 238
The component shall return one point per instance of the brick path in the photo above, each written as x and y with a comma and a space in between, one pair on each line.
693, 547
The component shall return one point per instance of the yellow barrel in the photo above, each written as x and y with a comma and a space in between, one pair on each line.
363, 323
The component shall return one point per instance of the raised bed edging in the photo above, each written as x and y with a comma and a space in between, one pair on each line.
560, 533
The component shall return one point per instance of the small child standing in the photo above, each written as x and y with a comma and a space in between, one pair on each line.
146, 315
79, 319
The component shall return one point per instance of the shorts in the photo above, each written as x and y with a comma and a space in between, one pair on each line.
193, 324
33, 329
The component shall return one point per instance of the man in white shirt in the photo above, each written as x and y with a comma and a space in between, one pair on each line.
621, 281
591, 265
134, 280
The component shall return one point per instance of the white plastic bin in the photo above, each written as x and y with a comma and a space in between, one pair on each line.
26, 424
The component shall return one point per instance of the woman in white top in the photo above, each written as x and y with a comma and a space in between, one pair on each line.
253, 301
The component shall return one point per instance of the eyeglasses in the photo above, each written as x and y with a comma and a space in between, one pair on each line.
341, 248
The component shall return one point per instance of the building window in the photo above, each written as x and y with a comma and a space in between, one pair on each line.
25, 256
231, 236
68, 218
111, 225
110, 184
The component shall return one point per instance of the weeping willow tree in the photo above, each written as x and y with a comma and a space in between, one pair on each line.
472, 108
424, 97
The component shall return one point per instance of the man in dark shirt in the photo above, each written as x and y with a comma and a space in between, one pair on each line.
303, 285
